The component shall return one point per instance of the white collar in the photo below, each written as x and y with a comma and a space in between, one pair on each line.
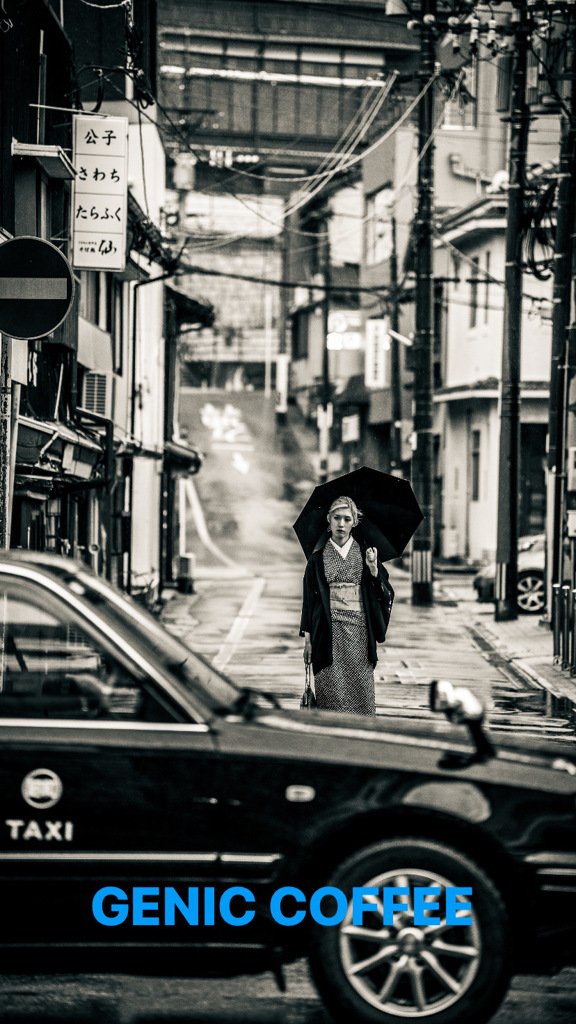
343, 551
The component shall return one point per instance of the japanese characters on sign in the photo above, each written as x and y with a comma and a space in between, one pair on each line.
377, 345
100, 192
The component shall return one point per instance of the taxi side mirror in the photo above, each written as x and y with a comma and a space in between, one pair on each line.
457, 702
461, 706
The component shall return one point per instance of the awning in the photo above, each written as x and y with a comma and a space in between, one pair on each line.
189, 310
355, 392
56, 448
181, 458
52, 159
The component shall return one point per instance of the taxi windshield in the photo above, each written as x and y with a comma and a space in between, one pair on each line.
190, 668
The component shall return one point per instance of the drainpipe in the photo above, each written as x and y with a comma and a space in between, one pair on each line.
78, 414
109, 476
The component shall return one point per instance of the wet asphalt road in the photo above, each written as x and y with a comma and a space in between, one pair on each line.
245, 613
98, 999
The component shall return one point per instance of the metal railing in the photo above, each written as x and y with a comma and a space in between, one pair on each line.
564, 626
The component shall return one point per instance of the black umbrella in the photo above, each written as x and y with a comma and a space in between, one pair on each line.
390, 511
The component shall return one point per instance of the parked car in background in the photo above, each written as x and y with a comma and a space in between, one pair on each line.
531, 578
140, 786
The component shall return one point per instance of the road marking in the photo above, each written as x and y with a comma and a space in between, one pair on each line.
240, 624
198, 514
33, 288
240, 463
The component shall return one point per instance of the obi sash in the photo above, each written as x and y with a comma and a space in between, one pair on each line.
345, 597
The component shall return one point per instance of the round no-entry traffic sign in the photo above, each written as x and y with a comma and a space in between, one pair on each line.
36, 287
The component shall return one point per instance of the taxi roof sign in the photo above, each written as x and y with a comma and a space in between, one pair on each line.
36, 287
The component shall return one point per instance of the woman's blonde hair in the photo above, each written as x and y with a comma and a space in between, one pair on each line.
345, 502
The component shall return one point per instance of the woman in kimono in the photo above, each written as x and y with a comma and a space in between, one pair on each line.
345, 612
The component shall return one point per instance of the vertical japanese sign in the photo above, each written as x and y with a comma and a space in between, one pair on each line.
100, 201
377, 344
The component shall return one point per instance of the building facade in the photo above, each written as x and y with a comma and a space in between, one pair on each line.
89, 451
468, 400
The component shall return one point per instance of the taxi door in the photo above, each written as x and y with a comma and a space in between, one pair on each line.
107, 782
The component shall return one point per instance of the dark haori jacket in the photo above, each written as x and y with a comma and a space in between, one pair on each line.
377, 597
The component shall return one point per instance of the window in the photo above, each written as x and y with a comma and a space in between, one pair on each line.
379, 226
475, 465
96, 298
52, 668
487, 289
300, 335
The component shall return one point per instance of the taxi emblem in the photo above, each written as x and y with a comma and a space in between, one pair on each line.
42, 788
300, 794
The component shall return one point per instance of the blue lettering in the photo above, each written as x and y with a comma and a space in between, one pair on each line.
420, 906
341, 905
452, 905
226, 913
358, 905
209, 905
390, 891
276, 910
120, 912
172, 902
140, 905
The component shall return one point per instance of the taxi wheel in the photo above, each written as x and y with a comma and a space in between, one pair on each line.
438, 974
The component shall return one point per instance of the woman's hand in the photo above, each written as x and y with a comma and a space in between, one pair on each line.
307, 650
372, 560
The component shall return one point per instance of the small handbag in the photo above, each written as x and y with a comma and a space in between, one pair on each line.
308, 698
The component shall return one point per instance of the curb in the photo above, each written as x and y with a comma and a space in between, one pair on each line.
561, 699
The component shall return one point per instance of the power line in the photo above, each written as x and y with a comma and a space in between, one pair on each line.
186, 269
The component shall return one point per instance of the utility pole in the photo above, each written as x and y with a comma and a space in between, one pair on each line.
395, 375
325, 410
559, 368
284, 347
506, 583
422, 459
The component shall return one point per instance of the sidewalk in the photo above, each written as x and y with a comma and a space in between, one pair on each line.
526, 643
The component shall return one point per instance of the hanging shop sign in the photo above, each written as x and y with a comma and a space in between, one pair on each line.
345, 330
100, 203
377, 345
36, 287
350, 428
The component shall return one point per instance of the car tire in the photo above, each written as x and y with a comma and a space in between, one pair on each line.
531, 598
416, 978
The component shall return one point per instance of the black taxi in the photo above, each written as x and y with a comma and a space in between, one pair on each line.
157, 818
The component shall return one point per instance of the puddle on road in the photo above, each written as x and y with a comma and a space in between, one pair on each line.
516, 700
533, 712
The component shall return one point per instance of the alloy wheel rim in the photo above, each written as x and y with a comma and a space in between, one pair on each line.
407, 971
531, 593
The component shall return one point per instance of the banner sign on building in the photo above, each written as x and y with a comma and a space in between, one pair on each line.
377, 345
100, 201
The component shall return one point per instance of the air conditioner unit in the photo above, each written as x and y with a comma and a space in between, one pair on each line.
98, 393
